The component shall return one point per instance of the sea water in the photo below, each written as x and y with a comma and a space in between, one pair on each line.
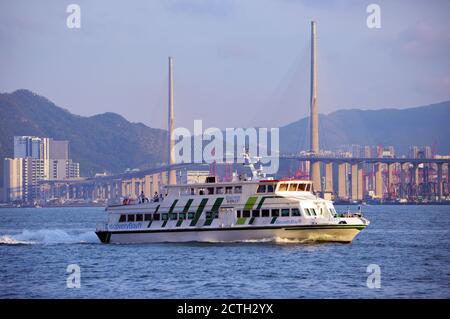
409, 245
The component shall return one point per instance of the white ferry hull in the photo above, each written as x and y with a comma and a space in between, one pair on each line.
291, 234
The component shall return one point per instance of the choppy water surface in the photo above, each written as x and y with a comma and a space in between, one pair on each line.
411, 245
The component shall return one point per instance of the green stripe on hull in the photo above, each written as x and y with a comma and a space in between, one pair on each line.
250, 202
172, 207
179, 222
261, 202
156, 210
274, 219
199, 211
188, 205
164, 224
241, 221
217, 204
214, 211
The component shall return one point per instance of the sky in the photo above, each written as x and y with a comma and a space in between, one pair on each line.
237, 63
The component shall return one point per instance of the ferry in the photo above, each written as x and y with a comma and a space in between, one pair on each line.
245, 209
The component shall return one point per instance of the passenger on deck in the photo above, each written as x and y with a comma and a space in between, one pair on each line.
142, 198
156, 197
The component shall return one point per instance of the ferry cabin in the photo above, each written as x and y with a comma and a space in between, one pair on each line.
233, 204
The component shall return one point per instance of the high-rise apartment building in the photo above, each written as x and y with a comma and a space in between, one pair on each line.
36, 159
61, 169
59, 150
413, 151
13, 179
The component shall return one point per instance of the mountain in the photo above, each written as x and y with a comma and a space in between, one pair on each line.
419, 126
105, 141
110, 142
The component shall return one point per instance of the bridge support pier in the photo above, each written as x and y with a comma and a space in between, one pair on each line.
439, 182
360, 182
329, 178
357, 182
315, 175
342, 181
390, 179
379, 180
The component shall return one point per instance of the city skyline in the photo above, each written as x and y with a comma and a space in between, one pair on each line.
36, 159
229, 58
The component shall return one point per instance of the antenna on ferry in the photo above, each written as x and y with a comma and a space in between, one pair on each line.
257, 173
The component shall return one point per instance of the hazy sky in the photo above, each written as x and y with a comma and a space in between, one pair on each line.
237, 63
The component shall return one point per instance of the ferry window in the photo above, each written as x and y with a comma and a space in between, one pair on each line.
313, 211
307, 211
265, 213
191, 215
139, 217
208, 215
130, 218
210, 190
295, 212
193, 191
246, 213
182, 215
238, 214
285, 212
173, 216
201, 191
219, 190
283, 187
215, 215
165, 216
301, 187
275, 212
147, 217
238, 189
293, 187
255, 213
261, 189
228, 190
156, 216
184, 191
308, 187
270, 188
122, 218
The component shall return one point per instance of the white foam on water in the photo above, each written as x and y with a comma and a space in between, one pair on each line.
277, 240
280, 240
10, 240
48, 236
262, 240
